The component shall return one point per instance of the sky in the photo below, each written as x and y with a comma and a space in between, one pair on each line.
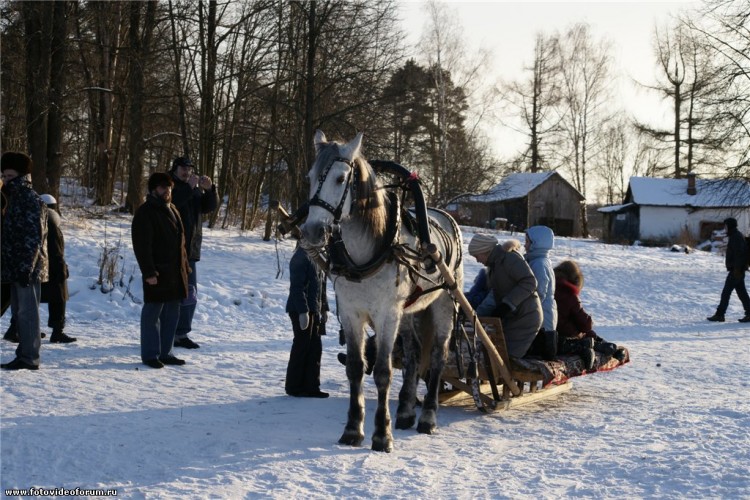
508, 30
673, 423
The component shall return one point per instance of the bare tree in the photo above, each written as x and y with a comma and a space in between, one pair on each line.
536, 98
586, 78
139, 40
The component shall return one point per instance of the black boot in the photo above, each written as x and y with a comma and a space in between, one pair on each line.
11, 334
716, 317
58, 337
588, 356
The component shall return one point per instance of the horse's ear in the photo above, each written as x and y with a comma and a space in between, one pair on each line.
320, 140
351, 150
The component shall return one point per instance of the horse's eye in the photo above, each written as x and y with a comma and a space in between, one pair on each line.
340, 179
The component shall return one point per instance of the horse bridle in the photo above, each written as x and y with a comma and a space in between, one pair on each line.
317, 201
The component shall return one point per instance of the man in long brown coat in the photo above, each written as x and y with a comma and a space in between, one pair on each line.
159, 246
513, 286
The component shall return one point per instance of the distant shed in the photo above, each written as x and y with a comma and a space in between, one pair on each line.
527, 199
664, 210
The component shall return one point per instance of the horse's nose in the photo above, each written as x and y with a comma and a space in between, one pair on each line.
314, 232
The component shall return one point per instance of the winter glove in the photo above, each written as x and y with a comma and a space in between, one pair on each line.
24, 281
503, 310
304, 321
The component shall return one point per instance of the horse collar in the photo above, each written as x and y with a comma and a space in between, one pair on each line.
341, 263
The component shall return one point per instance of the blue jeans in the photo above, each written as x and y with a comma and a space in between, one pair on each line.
187, 307
731, 284
24, 307
158, 323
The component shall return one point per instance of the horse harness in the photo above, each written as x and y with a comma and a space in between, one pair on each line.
340, 263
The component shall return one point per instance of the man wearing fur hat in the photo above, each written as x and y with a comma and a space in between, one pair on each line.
736, 263
194, 196
159, 247
513, 287
24, 256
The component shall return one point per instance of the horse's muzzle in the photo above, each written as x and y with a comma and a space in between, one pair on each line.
315, 233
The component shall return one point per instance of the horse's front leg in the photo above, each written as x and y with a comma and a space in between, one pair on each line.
382, 437
354, 432
406, 415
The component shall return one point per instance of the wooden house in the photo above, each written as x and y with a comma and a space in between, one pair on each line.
660, 211
527, 199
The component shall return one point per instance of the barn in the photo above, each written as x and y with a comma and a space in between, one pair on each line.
527, 199
660, 211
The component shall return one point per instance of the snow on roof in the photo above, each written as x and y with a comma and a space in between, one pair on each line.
512, 186
673, 192
614, 208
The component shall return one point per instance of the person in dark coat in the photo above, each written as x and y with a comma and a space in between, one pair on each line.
23, 258
307, 307
193, 196
574, 325
159, 247
55, 290
736, 264
513, 287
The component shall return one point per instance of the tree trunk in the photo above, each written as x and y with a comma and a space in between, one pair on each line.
56, 92
37, 25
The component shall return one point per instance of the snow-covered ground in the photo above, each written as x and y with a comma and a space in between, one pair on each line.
674, 423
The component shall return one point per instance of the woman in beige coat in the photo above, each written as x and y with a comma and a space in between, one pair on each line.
514, 287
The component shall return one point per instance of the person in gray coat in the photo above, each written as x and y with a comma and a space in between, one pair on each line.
514, 288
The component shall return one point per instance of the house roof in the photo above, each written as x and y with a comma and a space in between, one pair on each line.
710, 193
513, 186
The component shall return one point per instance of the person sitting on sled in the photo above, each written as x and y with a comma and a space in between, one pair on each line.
513, 288
574, 325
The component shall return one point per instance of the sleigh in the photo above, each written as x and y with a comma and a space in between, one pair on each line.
473, 380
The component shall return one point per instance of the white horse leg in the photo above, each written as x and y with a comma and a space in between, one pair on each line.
354, 432
406, 416
442, 323
382, 437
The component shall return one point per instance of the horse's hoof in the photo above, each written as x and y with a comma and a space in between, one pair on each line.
405, 422
426, 428
382, 444
351, 438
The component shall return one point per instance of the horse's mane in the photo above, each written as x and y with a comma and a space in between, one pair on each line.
370, 206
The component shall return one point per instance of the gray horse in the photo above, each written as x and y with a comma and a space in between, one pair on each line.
348, 204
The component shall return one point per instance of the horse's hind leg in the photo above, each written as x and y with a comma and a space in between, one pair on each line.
354, 432
406, 416
382, 437
441, 324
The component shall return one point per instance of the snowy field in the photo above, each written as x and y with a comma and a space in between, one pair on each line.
674, 423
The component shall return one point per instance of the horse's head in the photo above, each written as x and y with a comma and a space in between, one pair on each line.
341, 185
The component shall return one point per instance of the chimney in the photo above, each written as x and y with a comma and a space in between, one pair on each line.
691, 183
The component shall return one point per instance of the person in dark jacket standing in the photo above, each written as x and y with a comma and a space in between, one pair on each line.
307, 307
55, 291
159, 247
736, 263
23, 256
193, 196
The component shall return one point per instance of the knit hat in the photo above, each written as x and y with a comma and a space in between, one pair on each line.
159, 179
16, 161
48, 199
181, 161
730, 222
481, 244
